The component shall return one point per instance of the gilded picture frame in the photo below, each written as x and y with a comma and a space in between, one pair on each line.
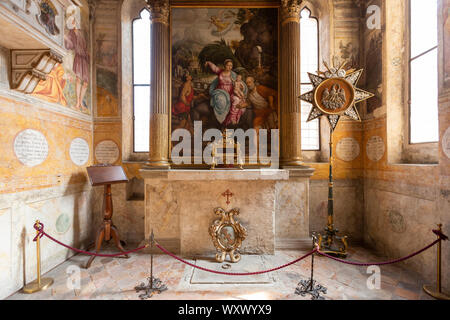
221, 21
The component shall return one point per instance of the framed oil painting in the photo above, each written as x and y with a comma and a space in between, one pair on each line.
224, 68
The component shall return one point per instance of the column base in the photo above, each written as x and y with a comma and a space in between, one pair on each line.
287, 163
160, 164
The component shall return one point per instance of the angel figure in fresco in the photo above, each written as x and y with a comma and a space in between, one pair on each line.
219, 21
75, 40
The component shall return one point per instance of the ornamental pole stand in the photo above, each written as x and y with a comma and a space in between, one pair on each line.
154, 285
438, 294
40, 283
311, 286
334, 95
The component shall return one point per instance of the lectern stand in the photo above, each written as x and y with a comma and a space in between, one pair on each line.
106, 176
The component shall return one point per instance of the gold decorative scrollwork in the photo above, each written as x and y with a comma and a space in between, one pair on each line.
227, 235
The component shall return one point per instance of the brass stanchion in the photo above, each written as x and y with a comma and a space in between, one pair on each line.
40, 283
438, 294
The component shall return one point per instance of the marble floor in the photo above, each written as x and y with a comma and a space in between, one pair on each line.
115, 278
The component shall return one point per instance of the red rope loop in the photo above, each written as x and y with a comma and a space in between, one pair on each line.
40, 228
234, 273
440, 235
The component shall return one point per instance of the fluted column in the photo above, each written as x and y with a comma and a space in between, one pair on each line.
291, 150
159, 89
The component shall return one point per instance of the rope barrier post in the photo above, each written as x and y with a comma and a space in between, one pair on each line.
311, 286
438, 294
40, 283
154, 285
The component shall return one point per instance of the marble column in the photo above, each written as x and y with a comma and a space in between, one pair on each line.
291, 149
160, 84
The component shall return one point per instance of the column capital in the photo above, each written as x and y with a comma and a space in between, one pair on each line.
290, 11
159, 11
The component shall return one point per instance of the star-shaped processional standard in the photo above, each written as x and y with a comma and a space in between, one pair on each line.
335, 94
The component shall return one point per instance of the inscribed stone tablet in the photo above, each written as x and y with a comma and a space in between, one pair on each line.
446, 142
31, 147
375, 148
347, 149
107, 152
79, 151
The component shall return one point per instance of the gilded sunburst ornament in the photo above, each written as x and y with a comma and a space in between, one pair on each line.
335, 94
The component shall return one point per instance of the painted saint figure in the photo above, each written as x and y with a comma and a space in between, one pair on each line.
183, 106
75, 40
223, 98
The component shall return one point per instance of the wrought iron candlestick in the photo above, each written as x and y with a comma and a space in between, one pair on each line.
311, 286
154, 285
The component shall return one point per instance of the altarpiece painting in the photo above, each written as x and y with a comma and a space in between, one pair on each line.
224, 68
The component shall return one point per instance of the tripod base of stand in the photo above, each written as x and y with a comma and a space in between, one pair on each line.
34, 286
310, 287
332, 244
105, 233
431, 290
154, 286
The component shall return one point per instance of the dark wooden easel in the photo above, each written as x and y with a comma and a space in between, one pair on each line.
106, 176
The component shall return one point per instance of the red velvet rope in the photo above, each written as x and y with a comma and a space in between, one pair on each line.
380, 263
40, 228
234, 273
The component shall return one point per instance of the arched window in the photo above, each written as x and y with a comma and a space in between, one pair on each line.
309, 43
141, 81
423, 68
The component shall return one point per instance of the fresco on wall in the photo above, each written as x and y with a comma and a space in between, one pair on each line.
68, 83
225, 68
106, 65
446, 30
374, 69
349, 52
46, 17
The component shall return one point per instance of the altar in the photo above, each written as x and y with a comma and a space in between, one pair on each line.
274, 207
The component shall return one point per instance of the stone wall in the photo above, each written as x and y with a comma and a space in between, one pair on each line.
403, 201
41, 176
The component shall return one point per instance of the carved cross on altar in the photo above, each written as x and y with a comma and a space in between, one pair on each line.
227, 194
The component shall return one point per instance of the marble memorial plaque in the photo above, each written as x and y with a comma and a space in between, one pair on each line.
446, 143
347, 149
62, 223
375, 148
79, 151
31, 147
107, 152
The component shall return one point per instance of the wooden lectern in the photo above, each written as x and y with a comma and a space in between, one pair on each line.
103, 175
